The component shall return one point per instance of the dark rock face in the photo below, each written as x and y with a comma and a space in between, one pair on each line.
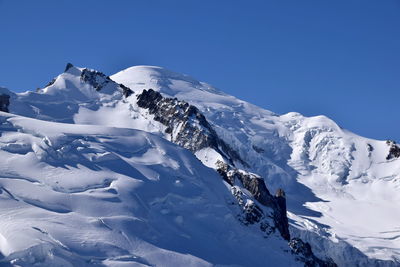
256, 186
304, 253
99, 80
252, 214
394, 151
185, 123
370, 148
280, 215
4, 102
95, 78
125, 90
69, 65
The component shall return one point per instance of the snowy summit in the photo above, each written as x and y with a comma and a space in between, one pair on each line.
148, 167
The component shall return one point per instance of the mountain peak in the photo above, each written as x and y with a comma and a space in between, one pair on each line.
326, 172
158, 76
80, 84
69, 65
167, 82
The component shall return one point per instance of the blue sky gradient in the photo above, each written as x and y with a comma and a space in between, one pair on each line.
337, 58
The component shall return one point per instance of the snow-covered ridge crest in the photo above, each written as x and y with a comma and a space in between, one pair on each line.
77, 80
313, 159
329, 174
160, 79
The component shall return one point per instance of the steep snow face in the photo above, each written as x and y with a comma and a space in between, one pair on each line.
78, 195
341, 190
340, 186
357, 186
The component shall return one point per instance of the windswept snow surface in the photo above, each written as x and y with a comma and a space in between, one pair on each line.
342, 193
77, 195
339, 185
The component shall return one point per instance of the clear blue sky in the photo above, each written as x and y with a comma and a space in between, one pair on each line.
338, 58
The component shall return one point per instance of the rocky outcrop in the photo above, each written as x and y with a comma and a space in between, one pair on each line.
280, 214
250, 181
49, 83
4, 102
99, 80
304, 253
69, 65
254, 214
251, 214
256, 186
394, 150
185, 124
190, 129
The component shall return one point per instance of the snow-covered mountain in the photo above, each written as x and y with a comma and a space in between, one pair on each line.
104, 171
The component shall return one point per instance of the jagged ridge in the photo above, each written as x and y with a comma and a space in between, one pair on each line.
190, 129
185, 124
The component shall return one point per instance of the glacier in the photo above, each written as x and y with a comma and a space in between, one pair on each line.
90, 176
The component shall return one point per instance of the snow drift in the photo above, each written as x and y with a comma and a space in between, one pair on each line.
93, 178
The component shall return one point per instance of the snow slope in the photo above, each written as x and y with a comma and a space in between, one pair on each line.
77, 195
341, 191
338, 184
